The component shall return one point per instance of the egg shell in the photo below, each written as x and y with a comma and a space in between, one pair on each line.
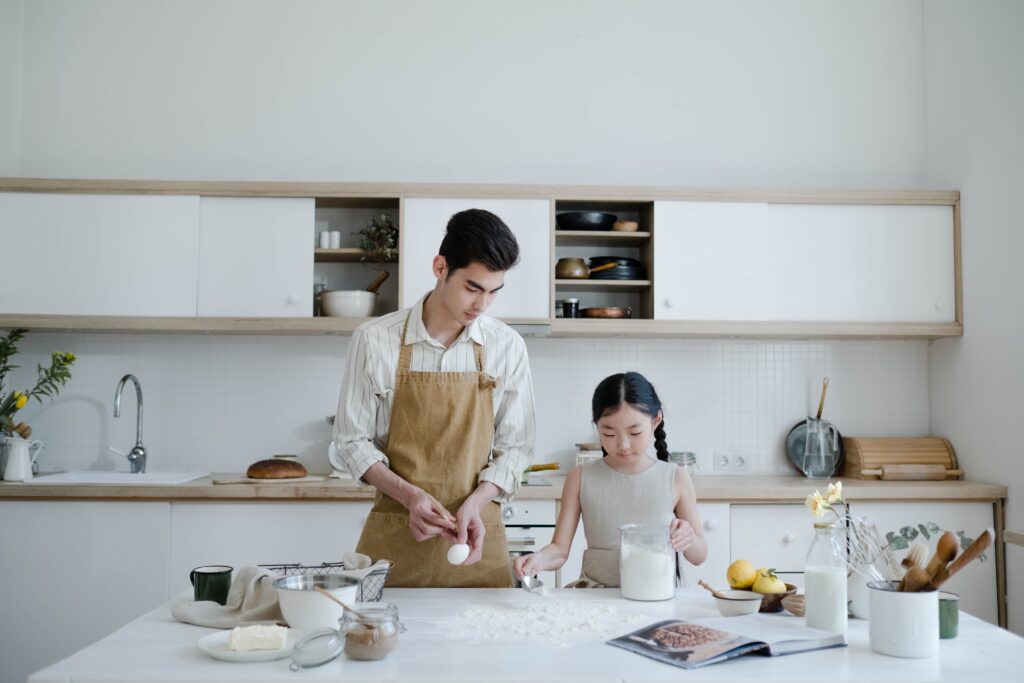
458, 553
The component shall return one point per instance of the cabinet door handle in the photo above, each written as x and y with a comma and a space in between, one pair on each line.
525, 542
293, 300
939, 305
710, 525
670, 303
788, 538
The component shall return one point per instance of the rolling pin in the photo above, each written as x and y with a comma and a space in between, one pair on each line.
913, 473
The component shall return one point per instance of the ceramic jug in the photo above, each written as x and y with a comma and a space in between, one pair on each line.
20, 456
821, 449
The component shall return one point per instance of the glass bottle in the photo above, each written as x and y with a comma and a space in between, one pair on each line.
825, 583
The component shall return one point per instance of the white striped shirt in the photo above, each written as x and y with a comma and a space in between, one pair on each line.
368, 390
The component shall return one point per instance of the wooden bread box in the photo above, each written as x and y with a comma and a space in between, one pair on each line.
903, 458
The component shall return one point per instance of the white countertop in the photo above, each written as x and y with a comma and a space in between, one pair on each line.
156, 649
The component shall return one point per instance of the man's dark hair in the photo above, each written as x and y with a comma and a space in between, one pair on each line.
478, 235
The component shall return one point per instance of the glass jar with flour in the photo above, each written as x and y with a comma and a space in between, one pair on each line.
647, 563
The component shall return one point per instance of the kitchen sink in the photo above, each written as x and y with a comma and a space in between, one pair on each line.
123, 478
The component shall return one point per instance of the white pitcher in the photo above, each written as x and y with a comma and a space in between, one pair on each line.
20, 456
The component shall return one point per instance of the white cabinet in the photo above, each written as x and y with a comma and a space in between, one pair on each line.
526, 291
734, 261
73, 573
120, 255
255, 257
976, 582
714, 519
241, 534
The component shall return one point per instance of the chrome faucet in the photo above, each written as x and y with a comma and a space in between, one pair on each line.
137, 456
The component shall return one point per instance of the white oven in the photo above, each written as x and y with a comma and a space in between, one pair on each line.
529, 526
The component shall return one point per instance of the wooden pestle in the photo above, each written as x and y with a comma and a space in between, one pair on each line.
700, 582
945, 551
974, 550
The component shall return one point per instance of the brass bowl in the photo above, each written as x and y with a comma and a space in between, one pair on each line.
607, 312
571, 269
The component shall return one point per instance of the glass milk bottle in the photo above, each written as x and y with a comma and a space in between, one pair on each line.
825, 583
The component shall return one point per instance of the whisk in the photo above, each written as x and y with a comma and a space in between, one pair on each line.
868, 554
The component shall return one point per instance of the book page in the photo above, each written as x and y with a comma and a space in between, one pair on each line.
782, 633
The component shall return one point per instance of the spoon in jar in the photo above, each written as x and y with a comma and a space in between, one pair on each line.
345, 607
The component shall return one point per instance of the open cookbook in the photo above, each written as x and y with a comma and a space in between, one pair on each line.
689, 644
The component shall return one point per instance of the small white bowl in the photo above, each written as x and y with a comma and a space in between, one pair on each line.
347, 303
736, 603
305, 609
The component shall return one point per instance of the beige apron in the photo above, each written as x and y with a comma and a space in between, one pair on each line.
442, 427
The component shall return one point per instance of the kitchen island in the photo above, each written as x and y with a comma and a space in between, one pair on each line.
438, 646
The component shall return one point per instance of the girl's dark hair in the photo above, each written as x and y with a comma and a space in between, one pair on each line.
634, 389
478, 235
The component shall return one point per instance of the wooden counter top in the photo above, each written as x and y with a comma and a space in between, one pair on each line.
710, 489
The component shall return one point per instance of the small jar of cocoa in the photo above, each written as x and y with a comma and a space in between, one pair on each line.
371, 630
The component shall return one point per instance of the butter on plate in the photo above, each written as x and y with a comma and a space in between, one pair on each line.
257, 637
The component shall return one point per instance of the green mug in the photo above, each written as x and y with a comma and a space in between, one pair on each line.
211, 582
949, 615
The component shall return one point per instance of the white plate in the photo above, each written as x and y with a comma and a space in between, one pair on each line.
216, 645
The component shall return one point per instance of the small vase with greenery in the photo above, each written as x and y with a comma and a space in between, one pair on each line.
49, 381
379, 239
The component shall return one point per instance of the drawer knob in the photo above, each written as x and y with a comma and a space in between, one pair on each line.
788, 538
939, 305
508, 512
670, 303
710, 525
293, 300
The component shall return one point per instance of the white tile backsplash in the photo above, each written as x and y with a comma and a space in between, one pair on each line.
220, 402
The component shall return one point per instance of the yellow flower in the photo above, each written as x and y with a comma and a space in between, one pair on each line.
20, 400
817, 504
834, 492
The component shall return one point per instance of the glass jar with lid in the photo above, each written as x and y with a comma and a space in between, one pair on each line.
367, 631
647, 562
685, 459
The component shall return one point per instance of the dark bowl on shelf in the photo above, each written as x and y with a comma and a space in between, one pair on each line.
585, 220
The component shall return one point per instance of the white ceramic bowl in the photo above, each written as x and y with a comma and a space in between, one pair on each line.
346, 303
736, 603
305, 609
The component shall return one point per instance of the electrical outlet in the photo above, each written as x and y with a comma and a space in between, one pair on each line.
728, 462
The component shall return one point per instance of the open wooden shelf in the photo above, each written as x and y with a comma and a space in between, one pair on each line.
603, 285
600, 238
343, 255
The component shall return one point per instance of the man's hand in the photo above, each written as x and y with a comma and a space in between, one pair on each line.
471, 527
428, 518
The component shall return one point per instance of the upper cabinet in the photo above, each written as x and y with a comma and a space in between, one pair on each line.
672, 262
98, 254
827, 263
526, 294
255, 257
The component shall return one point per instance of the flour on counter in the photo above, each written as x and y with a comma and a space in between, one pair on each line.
554, 623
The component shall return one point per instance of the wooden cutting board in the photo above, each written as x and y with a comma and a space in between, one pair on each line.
294, 480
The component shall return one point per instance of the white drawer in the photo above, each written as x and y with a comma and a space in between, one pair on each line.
528, 512
773, 536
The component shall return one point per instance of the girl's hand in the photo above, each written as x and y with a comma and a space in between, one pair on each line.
681, 535
526, 565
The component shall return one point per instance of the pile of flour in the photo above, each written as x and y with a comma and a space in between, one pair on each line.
554, 623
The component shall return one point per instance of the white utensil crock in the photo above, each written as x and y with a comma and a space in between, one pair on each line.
903, 624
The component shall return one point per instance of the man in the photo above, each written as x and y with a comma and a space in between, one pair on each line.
436, 412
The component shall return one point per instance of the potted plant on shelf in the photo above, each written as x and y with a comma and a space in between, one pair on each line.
379, 240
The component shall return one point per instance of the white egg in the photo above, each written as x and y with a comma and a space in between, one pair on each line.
458, 553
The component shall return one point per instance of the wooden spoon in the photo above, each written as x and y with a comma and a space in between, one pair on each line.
700, 582
977, 548
345, 607
821, 403
945, 551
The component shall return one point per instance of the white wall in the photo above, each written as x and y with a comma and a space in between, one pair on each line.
218, 403
10, 85
789, 93
974, 56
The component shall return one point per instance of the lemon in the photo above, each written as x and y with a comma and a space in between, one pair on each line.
741, 574
767, 582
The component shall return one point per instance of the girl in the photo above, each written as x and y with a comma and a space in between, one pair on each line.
626, 486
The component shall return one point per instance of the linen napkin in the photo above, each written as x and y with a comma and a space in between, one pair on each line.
252, 599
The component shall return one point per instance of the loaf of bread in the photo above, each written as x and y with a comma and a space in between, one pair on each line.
276, 468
